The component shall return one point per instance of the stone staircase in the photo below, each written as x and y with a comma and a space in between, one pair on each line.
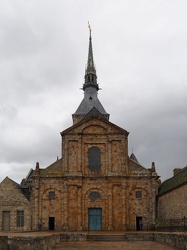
106, 237
94, 237
69, 240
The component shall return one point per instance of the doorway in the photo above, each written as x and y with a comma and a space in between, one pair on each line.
94, 218
6, 220
51, 223
139, 224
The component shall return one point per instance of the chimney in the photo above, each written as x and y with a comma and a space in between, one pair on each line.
176, 171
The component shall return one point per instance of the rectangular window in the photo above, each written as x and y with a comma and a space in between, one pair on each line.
138, 194
20, 218
52, 195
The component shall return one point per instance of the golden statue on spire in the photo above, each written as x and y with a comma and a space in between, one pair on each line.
89, 27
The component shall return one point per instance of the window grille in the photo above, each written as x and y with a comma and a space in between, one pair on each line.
20, 218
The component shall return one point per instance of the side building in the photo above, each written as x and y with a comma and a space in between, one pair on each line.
14, 206
171, 202
95, 185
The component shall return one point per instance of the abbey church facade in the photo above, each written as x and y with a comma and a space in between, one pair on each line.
95, 185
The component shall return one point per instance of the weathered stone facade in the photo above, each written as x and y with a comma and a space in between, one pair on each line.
117, 182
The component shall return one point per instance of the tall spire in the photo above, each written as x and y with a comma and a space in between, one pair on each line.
90, 101
90, 72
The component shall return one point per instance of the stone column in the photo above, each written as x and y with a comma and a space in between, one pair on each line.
35, 197
124, 208
65, 227
79, 206
79, 168
110, 208
66, 164
124, 155
109, 167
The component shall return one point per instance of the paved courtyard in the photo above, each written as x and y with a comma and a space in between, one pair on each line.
135, 245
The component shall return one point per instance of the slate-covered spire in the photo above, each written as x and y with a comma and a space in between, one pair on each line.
90, 87
90, 71
133, 157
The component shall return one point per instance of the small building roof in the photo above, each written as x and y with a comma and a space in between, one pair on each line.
174, 182
24, 191
133, 157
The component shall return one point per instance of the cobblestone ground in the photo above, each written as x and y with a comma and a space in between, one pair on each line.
135, 245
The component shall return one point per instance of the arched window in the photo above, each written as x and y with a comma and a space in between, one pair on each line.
94, 196
94, 158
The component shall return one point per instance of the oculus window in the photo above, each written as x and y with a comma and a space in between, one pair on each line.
94, 158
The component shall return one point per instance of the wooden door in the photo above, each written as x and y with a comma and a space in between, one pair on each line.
6, 220
95, 218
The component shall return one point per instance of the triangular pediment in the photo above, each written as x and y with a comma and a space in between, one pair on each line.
97, 123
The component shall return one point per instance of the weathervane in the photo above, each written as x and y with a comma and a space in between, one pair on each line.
89, 27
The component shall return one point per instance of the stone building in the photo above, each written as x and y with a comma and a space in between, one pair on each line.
14, 206
171, 204
95, 185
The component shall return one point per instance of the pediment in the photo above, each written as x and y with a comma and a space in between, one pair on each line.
96, 125
94, 129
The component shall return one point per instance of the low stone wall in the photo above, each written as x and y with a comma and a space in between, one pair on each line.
3, 243
173, 239
29, 242
73, 237
177, 240
37, 242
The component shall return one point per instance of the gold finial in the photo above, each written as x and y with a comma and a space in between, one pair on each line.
89, 27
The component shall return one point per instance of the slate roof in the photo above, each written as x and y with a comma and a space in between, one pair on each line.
93, 112
174, 182
24, 191
133, 157
89, 101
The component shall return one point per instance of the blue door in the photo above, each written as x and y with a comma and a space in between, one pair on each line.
95, 218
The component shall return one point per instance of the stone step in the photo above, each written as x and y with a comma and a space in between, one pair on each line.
95, 237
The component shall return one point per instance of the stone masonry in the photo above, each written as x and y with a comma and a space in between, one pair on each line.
72, 181
11, 201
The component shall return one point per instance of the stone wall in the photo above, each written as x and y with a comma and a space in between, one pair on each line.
32, 242
3, 242
172, 210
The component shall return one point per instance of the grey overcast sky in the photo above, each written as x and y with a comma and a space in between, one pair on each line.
140, 52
